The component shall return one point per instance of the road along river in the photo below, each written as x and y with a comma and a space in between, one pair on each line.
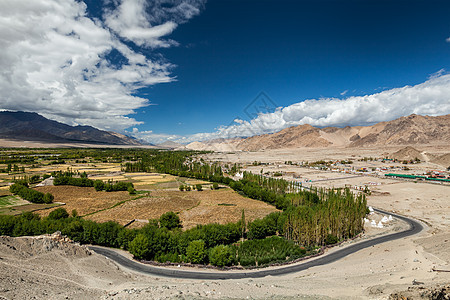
414, 228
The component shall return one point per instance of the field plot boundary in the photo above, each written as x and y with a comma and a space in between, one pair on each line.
13, 202
13, 211
115, 205
53, 205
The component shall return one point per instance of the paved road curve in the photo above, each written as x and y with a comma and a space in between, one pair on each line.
415, 227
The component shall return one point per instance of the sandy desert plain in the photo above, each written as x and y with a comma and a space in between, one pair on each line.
408, 268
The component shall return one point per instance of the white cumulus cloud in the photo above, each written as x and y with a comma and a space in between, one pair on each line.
130, 21
146, 22
429, 98
152, 137
54, 59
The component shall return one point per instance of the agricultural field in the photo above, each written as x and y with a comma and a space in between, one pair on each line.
146, 181
157, 193
6, 201
32, 207
223, 206
14, 205
85, 200
4, 191
208, 206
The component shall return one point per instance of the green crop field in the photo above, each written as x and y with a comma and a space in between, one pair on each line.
9, 201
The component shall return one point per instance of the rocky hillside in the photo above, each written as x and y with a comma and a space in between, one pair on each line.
410, 130
28, 126
293, 137
408, 153
443, 160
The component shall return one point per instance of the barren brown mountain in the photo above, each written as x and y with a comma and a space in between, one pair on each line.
26, 126
299, 136
410, 130
443, 160
407, 153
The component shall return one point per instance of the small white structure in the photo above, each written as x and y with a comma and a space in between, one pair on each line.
373, 223
46, 182
384, 220
380, 225
390, 218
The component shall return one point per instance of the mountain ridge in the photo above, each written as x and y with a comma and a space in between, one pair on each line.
30, 126
409, 130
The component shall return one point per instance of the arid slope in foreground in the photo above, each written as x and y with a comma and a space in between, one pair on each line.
48, 269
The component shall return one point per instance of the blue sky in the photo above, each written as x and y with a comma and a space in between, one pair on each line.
187, 70
294, 50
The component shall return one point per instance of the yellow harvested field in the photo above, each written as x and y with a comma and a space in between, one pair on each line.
146, 180
4, 192
61, 167
139, 174
142, 178
84, 199
218, 206
98, 165
109, 165
145, 183
113, 169
146, 208
223, 206
196, 181
113, 178
88, 171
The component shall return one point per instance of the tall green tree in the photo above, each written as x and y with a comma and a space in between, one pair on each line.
221, 256
170, 220
196, 252
140, 247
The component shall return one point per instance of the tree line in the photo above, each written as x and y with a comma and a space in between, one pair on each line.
66, 178
162, 239
21, 189
10, 168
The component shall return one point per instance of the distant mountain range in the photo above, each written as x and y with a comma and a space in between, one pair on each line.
410, 130
27, 126
170, 145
